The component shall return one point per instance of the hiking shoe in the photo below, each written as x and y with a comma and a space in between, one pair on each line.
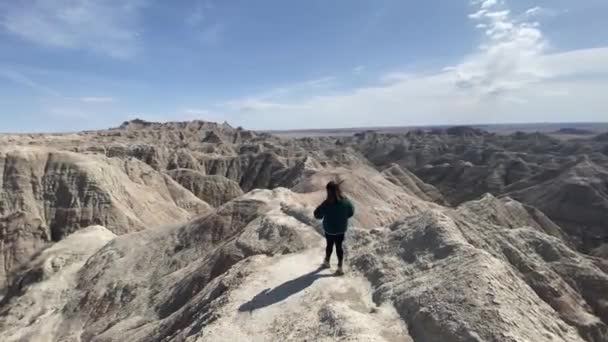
340, 271
325, 264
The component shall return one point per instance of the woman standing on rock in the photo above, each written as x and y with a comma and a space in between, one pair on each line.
335, 212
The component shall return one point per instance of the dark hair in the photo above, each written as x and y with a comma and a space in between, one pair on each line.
334, 193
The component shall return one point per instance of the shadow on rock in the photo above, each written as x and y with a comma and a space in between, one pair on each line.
283, 291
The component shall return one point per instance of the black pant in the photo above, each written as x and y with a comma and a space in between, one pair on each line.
331, 240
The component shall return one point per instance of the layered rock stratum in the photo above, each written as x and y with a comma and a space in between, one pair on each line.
198, 231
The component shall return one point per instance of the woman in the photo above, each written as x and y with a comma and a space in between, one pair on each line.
335, 212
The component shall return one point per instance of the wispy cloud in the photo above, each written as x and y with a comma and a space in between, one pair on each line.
395, 77
256, 105
91, 108
210, 34
488, 3
20, 78
199, 13
538, 11
358, 69
96, 99
533, 11
205, 28
194, 112
315, 83
68, 113
108, 27
278, 97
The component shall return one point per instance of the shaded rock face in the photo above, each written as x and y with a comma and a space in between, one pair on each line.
464, 131
411, 183
574, 131
576, 197
601, 137
213, 189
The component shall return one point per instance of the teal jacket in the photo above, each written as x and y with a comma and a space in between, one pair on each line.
335, 216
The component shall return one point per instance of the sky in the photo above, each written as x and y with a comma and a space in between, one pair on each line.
68, 65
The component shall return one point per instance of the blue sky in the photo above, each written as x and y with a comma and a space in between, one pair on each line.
82, 64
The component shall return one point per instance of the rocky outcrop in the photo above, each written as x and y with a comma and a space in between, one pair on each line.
46, 194
45, 282
147, 153
412, 184
509, 213
531, 167
518, 284
576, 197
213, 189
168, 282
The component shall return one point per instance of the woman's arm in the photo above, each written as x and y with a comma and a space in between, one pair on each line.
320, 211
351, 209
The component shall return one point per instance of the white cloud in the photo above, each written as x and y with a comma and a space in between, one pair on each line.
438, 99
538, 11
96, 99
511, 77
533, 11
498, 15
196, 112
489, 3
507, 59
108, 27
479, 14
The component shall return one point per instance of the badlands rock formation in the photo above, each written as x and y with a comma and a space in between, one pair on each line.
202, 232
566, 179
46, 194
